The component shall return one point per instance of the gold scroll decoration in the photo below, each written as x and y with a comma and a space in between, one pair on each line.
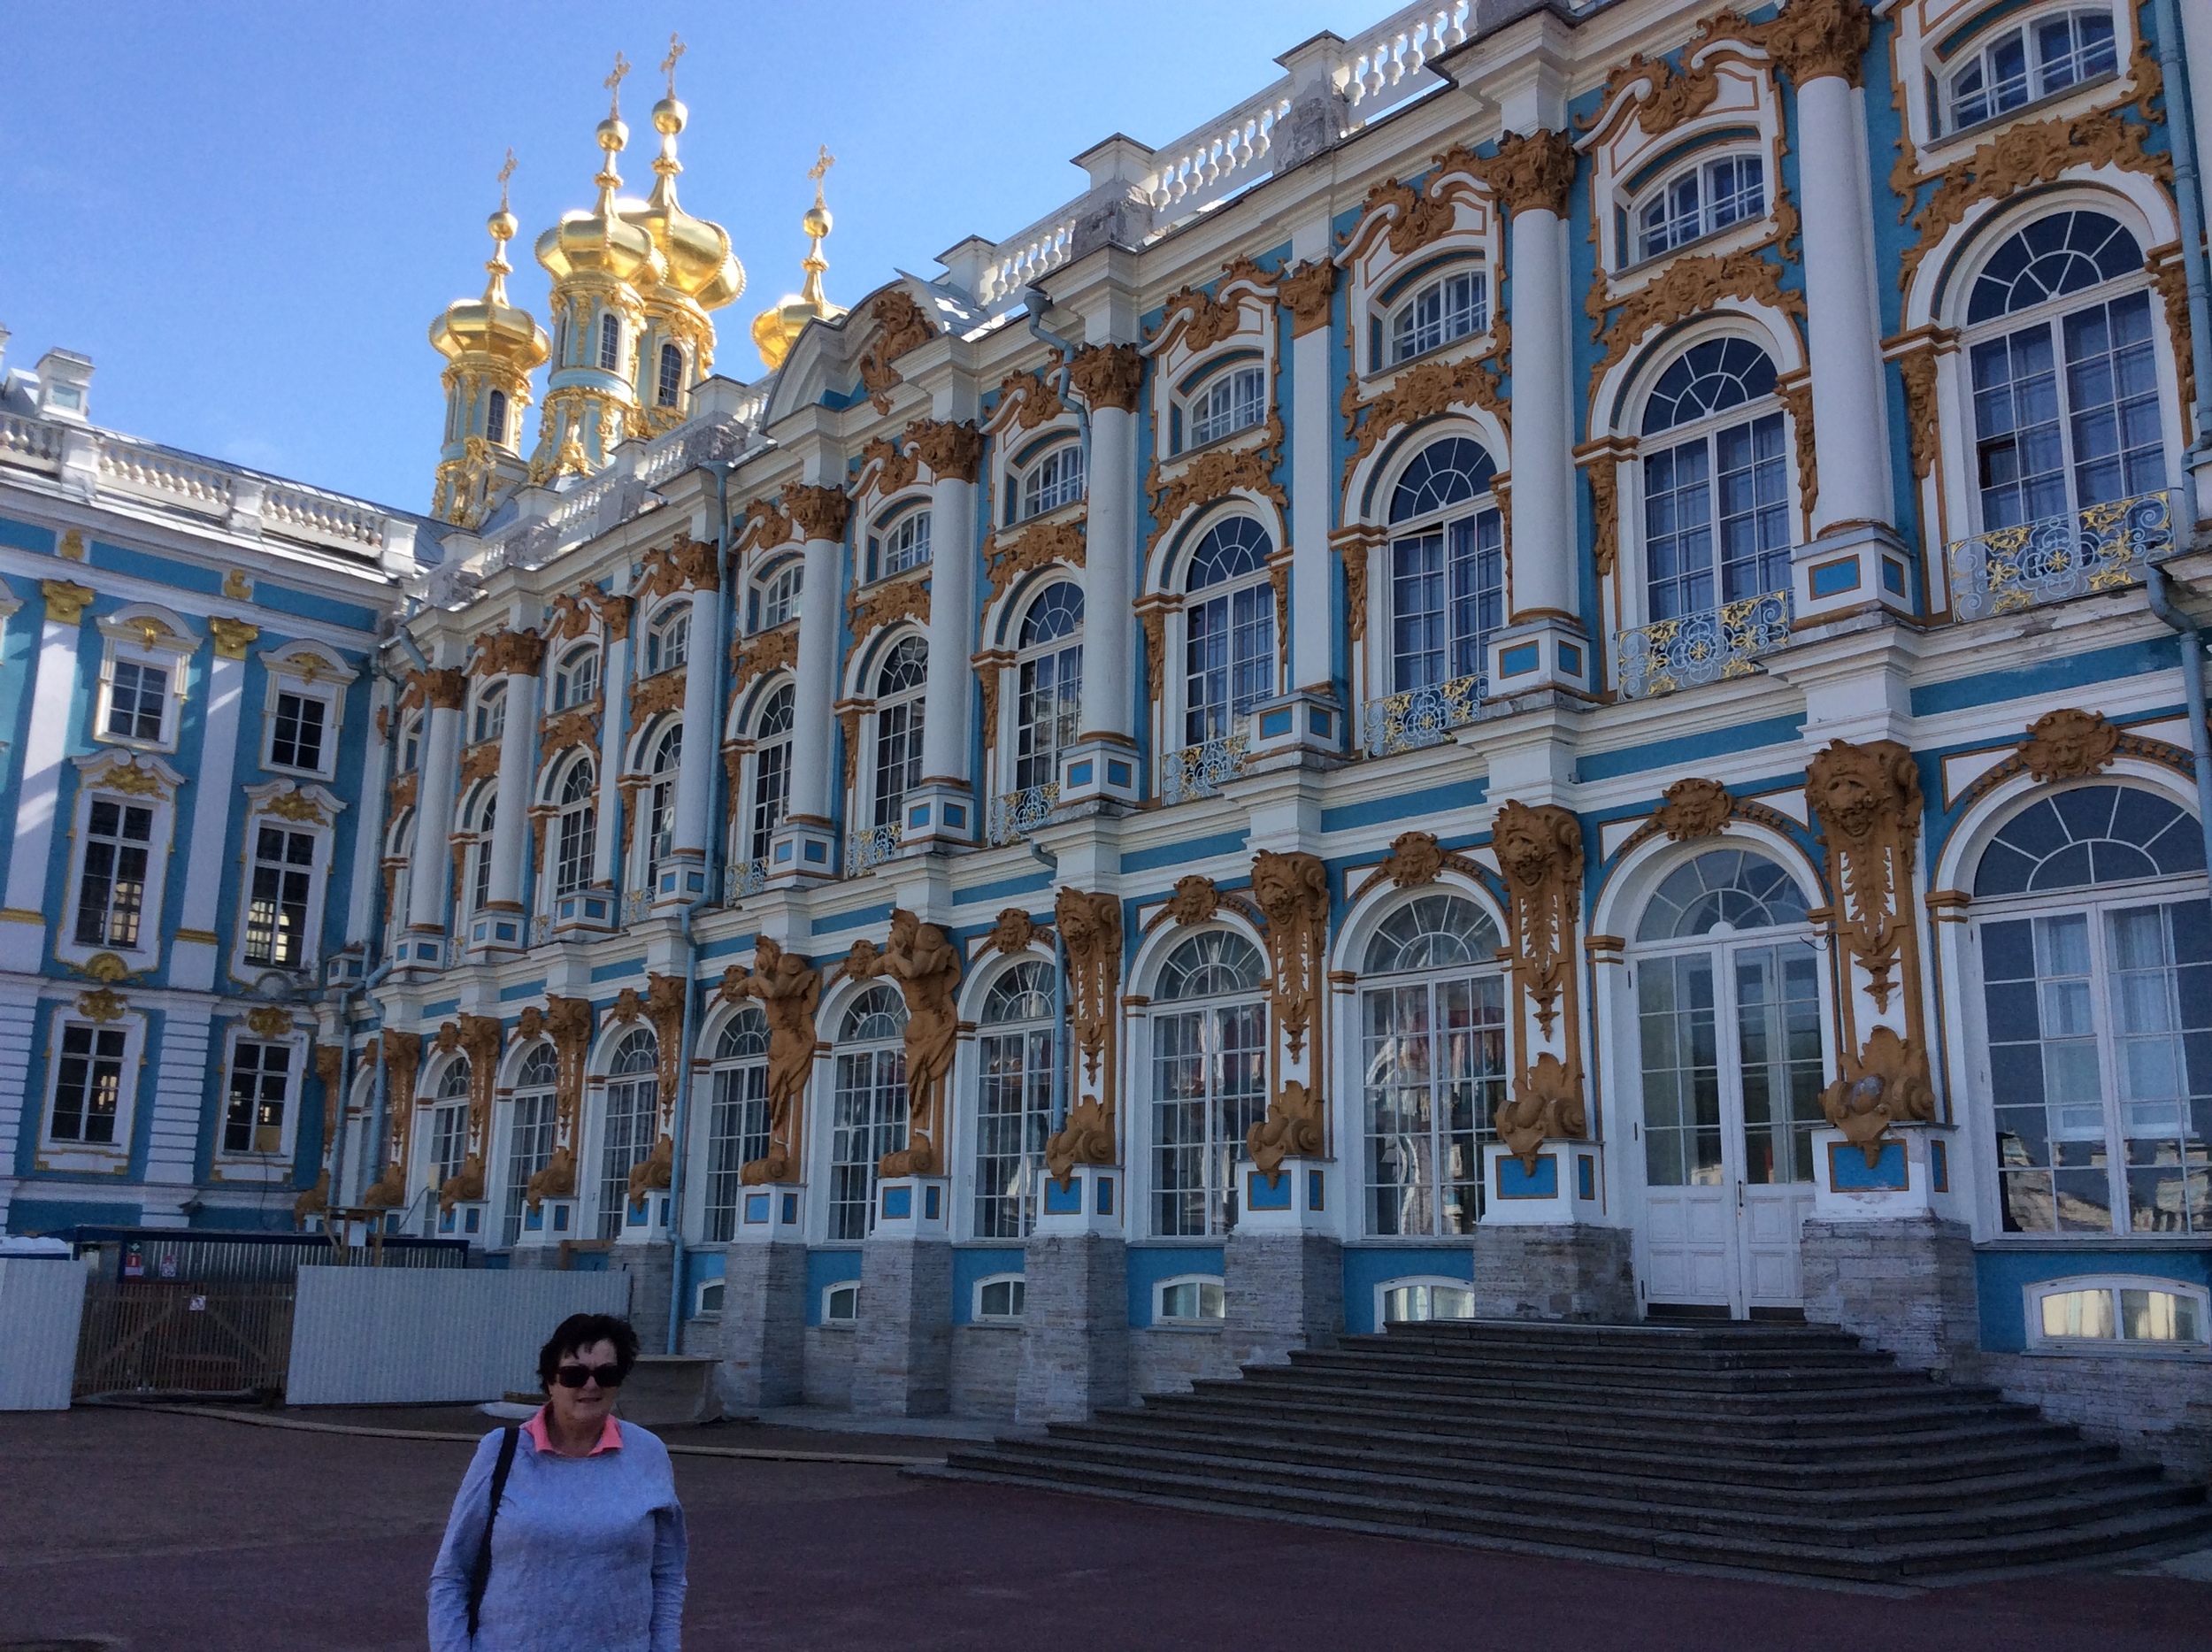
665, 999
1540, 851
1090, 931
482, 1037
403, 1056
568, 1022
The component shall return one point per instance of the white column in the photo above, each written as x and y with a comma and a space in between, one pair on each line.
19, 1014
1305, 294
1543, 555
177, 1092
431, 875
694, 778
518, 747
1110, 568
947, 727
45, 748
192, 959
368, 845
820, 513
2196, 36
1850, 412
614, 729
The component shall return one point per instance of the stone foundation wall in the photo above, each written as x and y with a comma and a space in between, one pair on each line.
652, 1269
1075, 1335
902, 1364
1167, 1361
1284, 1291
763, 1318
2150, 1405
829, 1366
986, 1361
1578, 1272
1906, 1287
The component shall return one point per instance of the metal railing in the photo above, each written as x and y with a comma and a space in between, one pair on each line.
1693, 649
1015, 815
870, 847
743, 878
2099, 548
1423, 716
637, 905
1198, 770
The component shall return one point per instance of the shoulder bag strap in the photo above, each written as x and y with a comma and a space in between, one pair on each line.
480, 1574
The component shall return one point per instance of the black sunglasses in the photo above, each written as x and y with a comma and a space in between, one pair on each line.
577, 1376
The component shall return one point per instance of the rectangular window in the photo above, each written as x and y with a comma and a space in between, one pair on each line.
111, 892
1721, 498
260, 1077
772, 786
737, 1133
283, 880
571, 858
137, 698
2099, 421
869, 1121
1209, 1089
529, 1150
898, 757
1443, 610
632, 1108
87, 1084
295, 735
1235, 401
1434, 1058
1230, 653
1048, 711
1013, 1116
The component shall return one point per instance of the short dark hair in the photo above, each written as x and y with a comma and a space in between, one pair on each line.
579, 1331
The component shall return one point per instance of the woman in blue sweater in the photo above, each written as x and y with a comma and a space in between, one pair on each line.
588, 1544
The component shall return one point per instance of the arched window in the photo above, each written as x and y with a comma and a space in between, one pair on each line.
626, 1138
411, 745
1716, 494
2096, 964
495, 431
530, 1125
1447, 574
771, 769
491, 712
898, 544
1048, 700
1699, 201
610, 343
1453, 306
1013, 1110
2017, 65
1209, 1079
776, 597
1434, 1060
1727, 983
660, 805
672, 381
576, 679
449, 1134
737, 1127
2066, 412
574, 830
668, 640
1048, 482
870, 1117
899, 687
1229, 629
1231, 399
480, 885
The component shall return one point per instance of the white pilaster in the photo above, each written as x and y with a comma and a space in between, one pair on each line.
510, 824
1110, 572
19, 1010
429, 878
816, 683
614, 730
45, 748
947, 726
179, 1092
368, 844
1312, 491
1544, 536
192, 959
694, 778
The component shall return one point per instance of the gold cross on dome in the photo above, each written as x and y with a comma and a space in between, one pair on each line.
613, 82
505, 172
676, 49
820, 169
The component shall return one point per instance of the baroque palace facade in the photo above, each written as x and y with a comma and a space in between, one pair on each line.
1537, 674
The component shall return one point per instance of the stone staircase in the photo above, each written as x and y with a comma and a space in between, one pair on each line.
1784, 1448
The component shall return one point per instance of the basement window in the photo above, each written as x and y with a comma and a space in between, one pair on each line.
1404, 1300
1000, 1297
841, 1304
2117, 1311
1193, 1299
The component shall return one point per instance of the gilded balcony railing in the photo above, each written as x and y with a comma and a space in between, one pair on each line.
2099, 548
1198, 770
1425, 716
743, 878
870, 847
1015, 815
1692, 650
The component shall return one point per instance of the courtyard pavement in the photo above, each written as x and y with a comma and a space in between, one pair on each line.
149, 1531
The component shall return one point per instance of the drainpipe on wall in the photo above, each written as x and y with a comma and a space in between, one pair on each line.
2190, 203
1061, 1041
2156, 586
1038, 301
379, 1104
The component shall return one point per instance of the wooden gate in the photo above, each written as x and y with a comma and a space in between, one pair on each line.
170, 1336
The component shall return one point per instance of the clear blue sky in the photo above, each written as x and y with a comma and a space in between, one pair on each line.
248, 215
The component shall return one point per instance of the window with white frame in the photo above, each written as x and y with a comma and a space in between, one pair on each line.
841, 1304
142, 677
259, 1096
1408, 1301
999, 1296
671, 386
1192, 1299
2018, 66
627, 1122
899, 688
1228, 629
1048, 684
495, 419
2095, 946
1701, 200
298, 731
279, 904
609, 344
576, 679
88, 1077
1231, 399
1433, 1063
776, 595
491, 712
709, 1298
1717, 487
112, 884
2103, 1313
574, 828
899, 543
737, 1120
1013, 1110
481, 855
772, 771
448, 1135
1447, 568
1209, 1079
530, 1128
660, 803
1046, 482
411, 745
668, 640
1455, 305
2065, 382
138, 702
869, 1114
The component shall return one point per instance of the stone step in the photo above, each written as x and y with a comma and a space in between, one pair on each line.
1739, 1338
1702, 1379
1728, 1352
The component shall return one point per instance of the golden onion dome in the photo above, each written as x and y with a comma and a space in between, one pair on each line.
604, 241
777, 329
490, 325
695, 253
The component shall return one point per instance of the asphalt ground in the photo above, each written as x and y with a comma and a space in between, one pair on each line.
156, 1530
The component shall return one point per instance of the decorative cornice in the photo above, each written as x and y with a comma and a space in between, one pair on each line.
820, 513
65, 602
232, 637
953, 452
1812, 38
1033, 547
1531, 172
445, 689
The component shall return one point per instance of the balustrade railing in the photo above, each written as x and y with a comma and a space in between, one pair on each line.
28, 439
1425, 716
1015, 815
743, 878
1198, 770
1692, 650
540, 930
2099, 548
870, 847
637, 906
